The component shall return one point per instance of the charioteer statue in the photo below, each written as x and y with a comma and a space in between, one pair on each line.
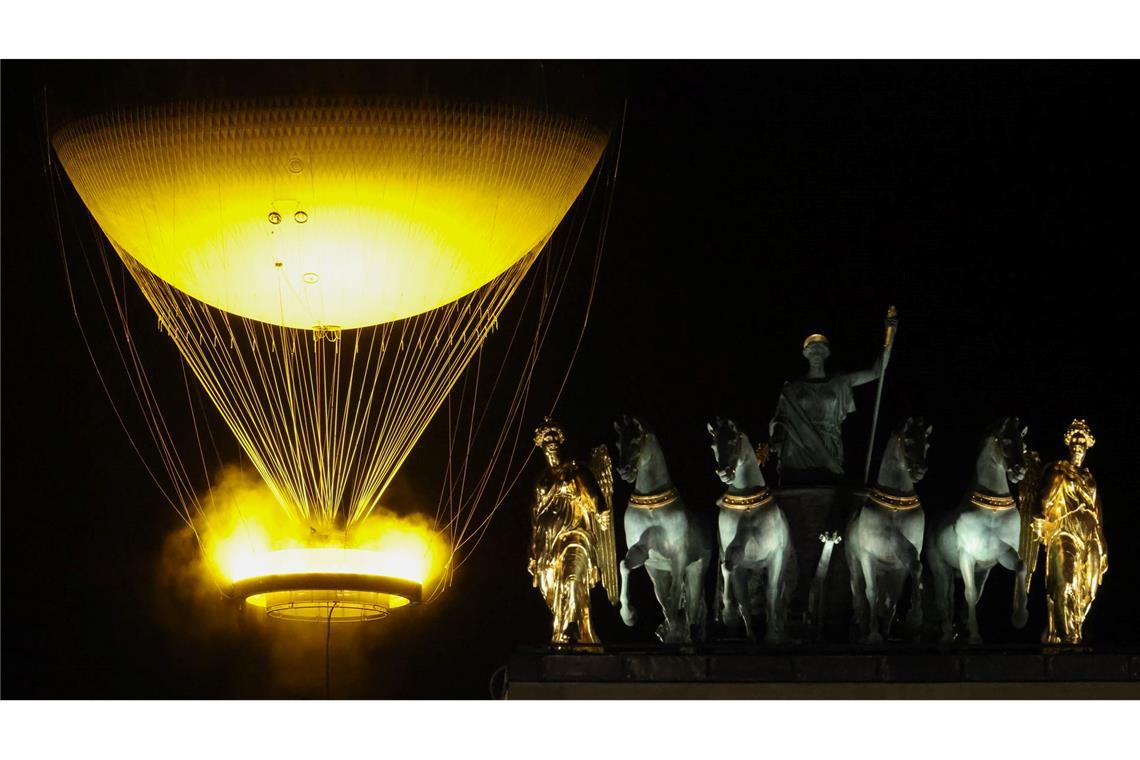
572, 536
806, 436
1065, 517
806, 431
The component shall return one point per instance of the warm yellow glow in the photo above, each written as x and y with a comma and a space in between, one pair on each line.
383, 545
328, 212
246, 535
408, 558
314, 605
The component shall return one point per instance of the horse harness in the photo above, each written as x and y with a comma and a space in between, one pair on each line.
761, 498
992, 503
653, 500
894, 503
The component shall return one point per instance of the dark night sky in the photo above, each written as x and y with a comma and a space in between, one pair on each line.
993, 203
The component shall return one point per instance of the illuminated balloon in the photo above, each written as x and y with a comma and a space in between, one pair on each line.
328, 213
327, 268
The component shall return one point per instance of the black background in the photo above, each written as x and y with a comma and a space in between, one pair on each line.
993, 203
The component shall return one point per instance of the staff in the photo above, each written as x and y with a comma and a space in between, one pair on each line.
892, 325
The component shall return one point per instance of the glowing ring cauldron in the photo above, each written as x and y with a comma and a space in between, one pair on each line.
324, 595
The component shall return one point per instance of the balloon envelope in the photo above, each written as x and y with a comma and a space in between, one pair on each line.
312, 213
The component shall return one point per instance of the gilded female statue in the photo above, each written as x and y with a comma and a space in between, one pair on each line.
1069, 527
572, 540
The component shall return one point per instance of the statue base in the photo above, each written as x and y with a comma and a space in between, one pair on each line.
889, 673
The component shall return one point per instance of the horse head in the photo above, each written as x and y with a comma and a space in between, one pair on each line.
1007, 438
726, 448
914, 442
630, 437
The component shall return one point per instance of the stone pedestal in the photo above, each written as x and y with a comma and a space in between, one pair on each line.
914, 673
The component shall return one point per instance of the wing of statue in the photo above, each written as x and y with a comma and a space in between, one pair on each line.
603, 469
1029, 504
763, 451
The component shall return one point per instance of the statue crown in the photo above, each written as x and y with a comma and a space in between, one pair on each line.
1079, 428
549, 431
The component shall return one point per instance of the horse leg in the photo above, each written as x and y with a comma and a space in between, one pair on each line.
678, 568
730, 613
740, 577
725, 606
967, 567
980, 581
737, 589
890, 584
914, 571
695, 595
858, 592
628, 614
1011, 561
777, 611
980, 578
898, 580
635, 557
663, 590
638, 553
789, 570
871, 592
943, 595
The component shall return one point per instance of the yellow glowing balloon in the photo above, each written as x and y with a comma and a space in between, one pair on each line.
328, 213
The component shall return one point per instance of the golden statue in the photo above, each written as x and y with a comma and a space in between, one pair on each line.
1068, 525
572, 536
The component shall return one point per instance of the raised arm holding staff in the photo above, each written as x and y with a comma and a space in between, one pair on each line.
892, 326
